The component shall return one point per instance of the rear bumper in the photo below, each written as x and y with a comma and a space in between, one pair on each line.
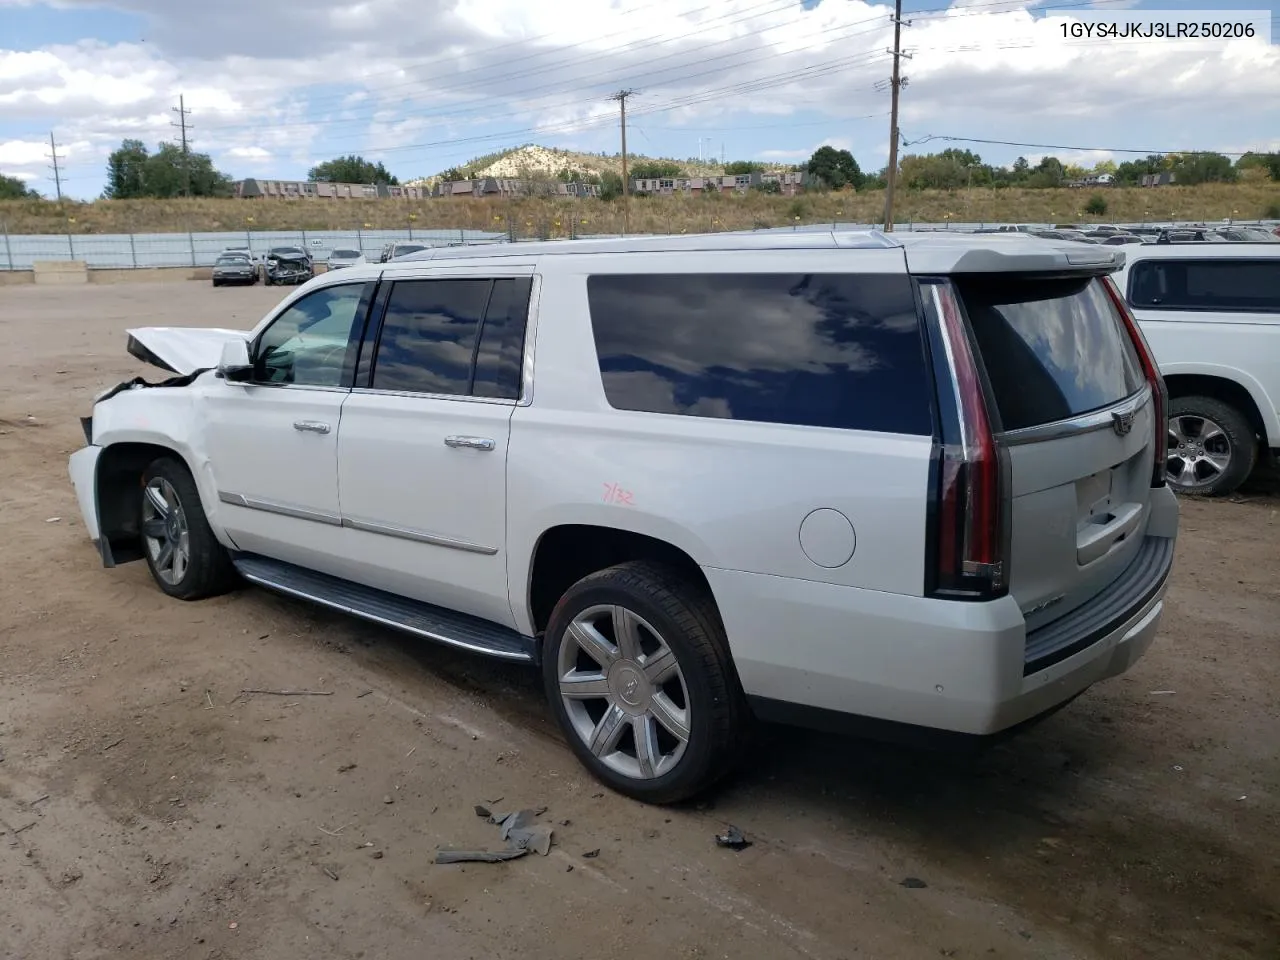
825, 653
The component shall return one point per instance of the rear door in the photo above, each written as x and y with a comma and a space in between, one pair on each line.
1074, 411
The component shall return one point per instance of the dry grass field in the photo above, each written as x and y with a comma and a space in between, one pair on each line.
545, 217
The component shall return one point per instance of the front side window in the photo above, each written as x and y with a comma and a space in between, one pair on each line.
1243, 286
313, 342
821, 350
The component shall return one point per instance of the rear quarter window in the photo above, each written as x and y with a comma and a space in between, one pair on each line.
820, 350
1220, 283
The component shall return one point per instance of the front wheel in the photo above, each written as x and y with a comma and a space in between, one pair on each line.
1212, 448
185, 558
637, 670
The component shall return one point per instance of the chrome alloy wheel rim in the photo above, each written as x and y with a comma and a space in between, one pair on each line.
1199, 452
164, 531
624, 692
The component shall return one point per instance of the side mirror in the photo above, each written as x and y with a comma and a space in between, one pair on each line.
234, 365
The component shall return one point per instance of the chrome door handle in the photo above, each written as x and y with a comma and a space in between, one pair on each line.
471, 443
311, 426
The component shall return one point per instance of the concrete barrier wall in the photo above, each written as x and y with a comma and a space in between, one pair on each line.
14, 278
60, 272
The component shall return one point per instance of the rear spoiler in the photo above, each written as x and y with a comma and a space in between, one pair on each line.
1011, 253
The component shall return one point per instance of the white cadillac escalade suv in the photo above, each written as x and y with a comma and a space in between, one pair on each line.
817, 478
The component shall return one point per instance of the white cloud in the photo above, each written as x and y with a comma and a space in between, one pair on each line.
257, 154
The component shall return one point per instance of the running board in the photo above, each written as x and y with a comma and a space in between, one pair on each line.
401, 613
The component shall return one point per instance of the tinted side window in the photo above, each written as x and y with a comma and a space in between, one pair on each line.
1217, 284
499, 360
313, 342
428, 336
815, 350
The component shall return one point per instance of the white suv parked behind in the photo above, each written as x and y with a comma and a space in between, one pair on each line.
1212, 315
816, 477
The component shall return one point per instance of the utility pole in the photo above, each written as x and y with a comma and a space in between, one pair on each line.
621, 97
57, 172
896, 83
182, 112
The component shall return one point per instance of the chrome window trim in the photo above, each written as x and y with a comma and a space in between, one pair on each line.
281, 509
1100, 419
294, 386
418, 536
462, 397
530, 339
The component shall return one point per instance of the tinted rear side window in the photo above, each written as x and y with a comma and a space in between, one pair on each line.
428, 336
1217, 284
822, 350
1053, 349
500, 356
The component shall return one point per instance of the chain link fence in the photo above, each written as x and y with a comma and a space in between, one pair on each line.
136, 250
197, 249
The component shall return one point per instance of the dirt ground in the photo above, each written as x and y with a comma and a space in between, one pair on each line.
150, 809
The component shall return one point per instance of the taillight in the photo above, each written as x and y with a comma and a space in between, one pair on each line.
1159, 392
969, 526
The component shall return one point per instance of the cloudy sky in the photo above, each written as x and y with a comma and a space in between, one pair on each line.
426, 84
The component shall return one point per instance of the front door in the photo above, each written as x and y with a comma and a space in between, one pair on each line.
272, 441
422, 449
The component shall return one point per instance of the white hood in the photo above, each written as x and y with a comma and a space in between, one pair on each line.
181, 349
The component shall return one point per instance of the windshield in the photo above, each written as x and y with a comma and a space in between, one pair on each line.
345, 254
286, 252
403, 248
231, 261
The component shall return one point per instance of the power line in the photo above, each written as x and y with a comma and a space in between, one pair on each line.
182, 112
612, 53
57, 173
1058, 146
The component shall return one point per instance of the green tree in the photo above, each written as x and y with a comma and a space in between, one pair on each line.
11, 188
351, 169
125, 171
654, 170
1097, 205
133, 172
1049, 172
1192, 168
735, 167
610, 185
835, 168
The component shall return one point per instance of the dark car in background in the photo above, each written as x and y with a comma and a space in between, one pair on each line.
288, 265
234, 268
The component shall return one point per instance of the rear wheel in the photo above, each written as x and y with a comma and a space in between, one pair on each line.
638, 673
1212, 448
185, 558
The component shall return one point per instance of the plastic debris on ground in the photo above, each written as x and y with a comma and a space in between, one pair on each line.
733, 838
520, 831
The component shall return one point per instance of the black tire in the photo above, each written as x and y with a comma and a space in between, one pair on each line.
216, 283
208, 570
1241, 446
686, 618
